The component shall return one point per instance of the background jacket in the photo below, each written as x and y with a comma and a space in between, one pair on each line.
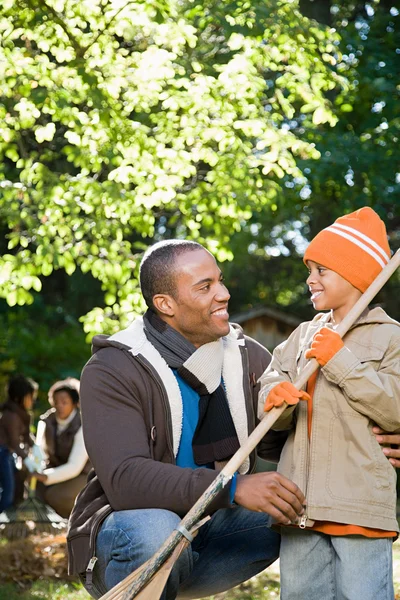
131, 414
342, 470
15, 429
58, 446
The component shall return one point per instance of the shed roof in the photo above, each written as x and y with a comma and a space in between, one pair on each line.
265, 311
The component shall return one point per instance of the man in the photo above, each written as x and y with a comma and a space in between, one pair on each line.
165, 403
145, 393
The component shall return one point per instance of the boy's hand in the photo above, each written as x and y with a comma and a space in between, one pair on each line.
324, 346
284, 392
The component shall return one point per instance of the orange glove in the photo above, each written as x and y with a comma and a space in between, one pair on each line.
284, 392
324, 346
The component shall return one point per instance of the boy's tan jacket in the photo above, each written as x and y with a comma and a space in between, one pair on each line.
342, 470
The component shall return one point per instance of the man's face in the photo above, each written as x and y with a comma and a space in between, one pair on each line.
199, 307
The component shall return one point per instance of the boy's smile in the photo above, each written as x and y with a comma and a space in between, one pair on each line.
315, 294
330, 291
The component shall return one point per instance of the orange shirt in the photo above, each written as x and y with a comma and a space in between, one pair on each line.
338, 528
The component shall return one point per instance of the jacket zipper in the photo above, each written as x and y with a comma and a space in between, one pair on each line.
146, 366
103, 514
249, 381
303, 519
302, 523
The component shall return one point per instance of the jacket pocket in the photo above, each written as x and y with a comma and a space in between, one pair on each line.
371, 354
357, 470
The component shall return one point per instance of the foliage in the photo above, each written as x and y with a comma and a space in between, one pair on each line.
123, 122
41, 343
45, 590
358, 165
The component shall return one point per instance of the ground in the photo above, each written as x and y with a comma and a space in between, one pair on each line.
34, 568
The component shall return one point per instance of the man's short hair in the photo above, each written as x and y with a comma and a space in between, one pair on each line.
157, 273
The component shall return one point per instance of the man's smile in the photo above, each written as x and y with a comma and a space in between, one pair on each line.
220, 312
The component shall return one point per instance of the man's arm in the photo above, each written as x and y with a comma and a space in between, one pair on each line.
392, 452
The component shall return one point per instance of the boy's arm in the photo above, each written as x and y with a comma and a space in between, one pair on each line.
373, 393
281, 369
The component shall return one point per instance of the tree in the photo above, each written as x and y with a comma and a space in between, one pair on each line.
122, 122
358, 165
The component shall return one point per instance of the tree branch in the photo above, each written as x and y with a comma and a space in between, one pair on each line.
60, 21
100, 33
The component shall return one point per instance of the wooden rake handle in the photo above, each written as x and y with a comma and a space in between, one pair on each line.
155, 563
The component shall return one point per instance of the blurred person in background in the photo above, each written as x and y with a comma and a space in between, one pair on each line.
59, 435
15, 437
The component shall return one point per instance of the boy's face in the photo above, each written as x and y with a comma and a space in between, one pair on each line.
330, 291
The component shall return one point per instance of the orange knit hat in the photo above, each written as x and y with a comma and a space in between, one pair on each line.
355, 246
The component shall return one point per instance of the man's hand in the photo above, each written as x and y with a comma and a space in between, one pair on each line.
271, 493
383, 437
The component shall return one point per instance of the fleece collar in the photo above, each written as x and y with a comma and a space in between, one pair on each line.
135, 340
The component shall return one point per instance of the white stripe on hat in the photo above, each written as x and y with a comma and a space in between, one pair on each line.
365, 238
357, 243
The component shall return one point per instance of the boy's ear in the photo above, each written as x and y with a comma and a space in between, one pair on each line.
164, 304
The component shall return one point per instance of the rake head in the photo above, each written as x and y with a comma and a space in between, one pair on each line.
31, 516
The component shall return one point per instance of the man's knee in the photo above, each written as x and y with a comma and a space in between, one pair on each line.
129, 538
139, 533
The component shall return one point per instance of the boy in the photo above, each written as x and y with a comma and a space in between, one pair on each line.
341, 547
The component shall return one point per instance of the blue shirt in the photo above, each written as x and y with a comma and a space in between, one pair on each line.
190, 417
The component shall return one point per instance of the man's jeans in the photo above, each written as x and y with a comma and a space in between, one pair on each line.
315, 566
234, 545
7, 482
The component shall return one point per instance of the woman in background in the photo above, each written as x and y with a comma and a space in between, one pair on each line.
60, 436
15, 435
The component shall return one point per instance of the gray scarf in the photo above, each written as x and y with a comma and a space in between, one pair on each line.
215, 437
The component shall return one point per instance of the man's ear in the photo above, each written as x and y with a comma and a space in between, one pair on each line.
164, 304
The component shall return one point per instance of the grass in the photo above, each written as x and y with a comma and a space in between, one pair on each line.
263, 587
44, 590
